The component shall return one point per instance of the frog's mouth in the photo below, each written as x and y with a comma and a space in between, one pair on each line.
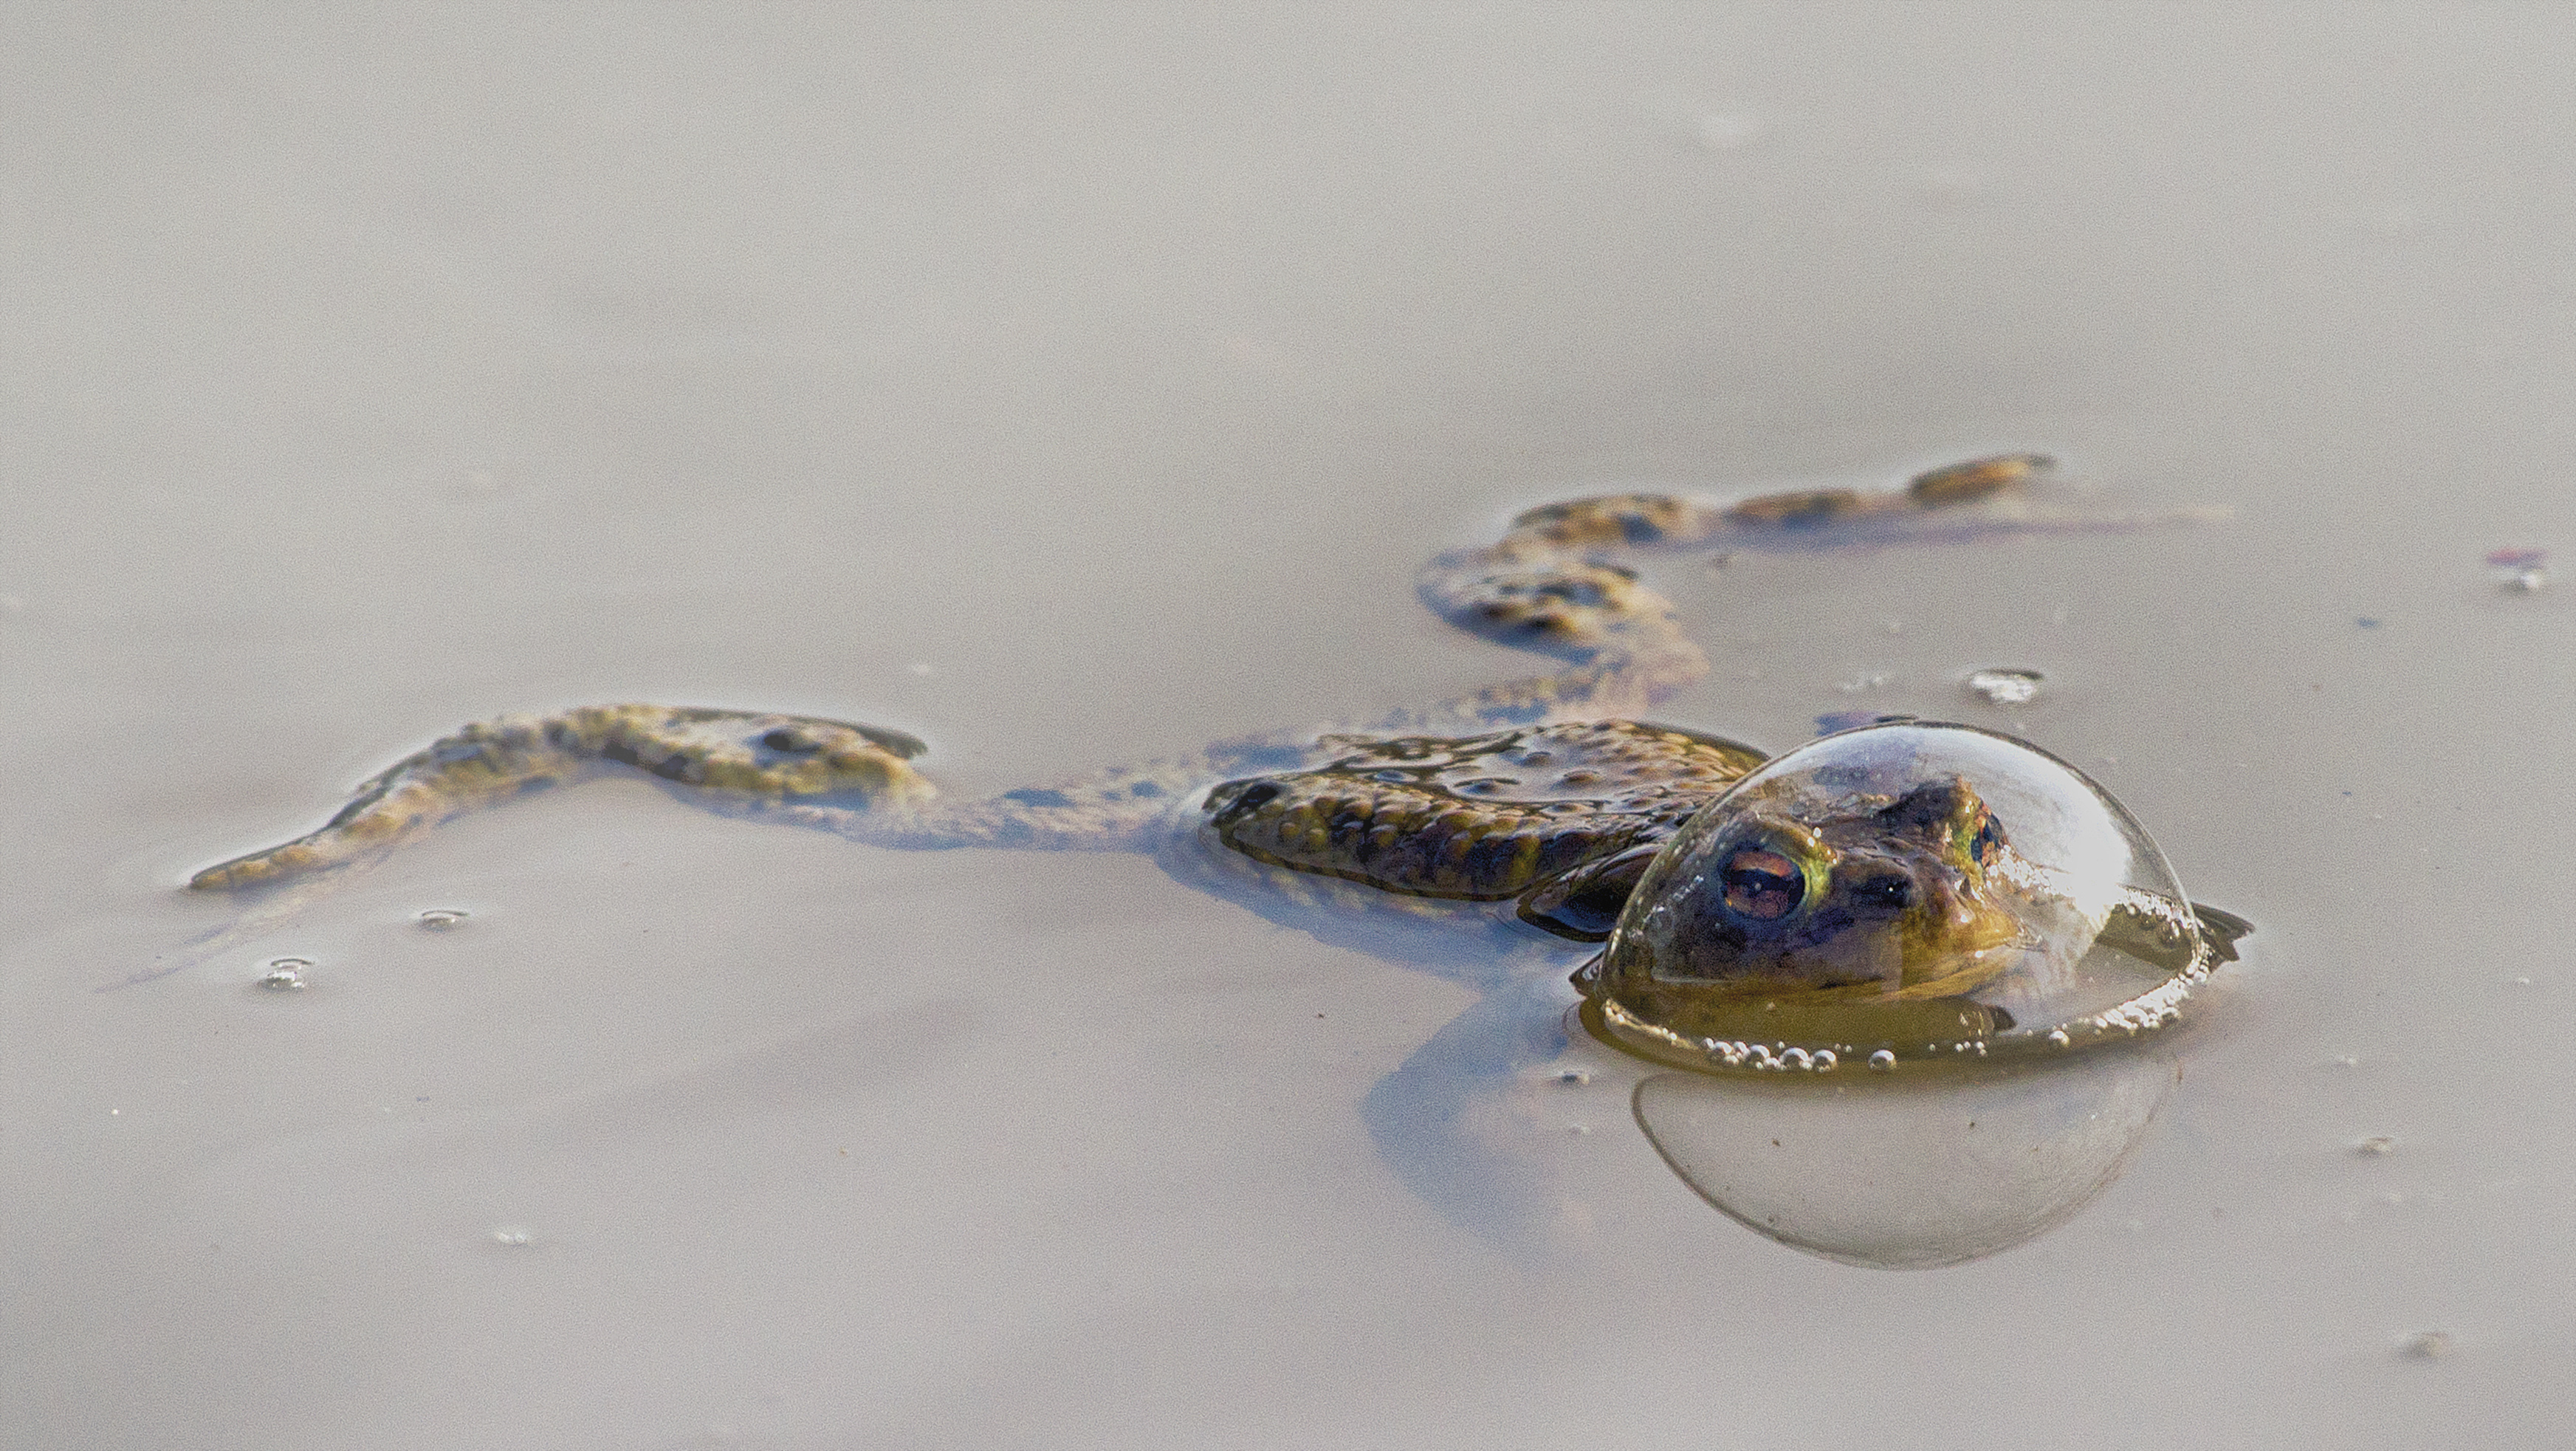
1693, 1029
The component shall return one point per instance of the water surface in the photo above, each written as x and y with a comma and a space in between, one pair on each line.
1069, 387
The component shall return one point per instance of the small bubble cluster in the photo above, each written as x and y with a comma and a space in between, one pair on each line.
1771, 1058
512, 1235
441, 919
285, 974
2147, 1013
2006, 687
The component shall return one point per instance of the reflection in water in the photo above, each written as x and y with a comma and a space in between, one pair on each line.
1907, 1174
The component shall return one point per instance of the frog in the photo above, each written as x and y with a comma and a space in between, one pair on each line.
1551, 793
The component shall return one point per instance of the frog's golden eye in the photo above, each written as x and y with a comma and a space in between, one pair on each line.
1989, 842
1761, 884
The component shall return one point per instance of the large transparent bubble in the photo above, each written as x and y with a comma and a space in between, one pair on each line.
1900, 893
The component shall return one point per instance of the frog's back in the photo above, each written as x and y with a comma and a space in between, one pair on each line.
1480, 818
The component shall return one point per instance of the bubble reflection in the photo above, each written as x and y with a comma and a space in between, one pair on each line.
1906, 1172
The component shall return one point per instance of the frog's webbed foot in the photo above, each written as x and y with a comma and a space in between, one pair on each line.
1985, 498
2223, 929
753, 756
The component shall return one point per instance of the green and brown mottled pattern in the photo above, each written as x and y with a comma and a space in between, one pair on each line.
1482, 818
753, 755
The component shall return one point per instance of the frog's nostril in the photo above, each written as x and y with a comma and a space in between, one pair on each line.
1893, 891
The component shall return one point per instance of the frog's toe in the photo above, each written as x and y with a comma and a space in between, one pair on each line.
257, 869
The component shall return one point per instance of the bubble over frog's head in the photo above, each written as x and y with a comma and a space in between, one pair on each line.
1919, 888
1896, 897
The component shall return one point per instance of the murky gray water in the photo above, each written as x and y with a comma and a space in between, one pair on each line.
1076, 387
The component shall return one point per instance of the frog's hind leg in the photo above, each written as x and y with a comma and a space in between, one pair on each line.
741, 753
1554, 584
1546, 587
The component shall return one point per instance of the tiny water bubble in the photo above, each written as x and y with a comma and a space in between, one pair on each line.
1882, 1060
442, 919
2057, 1037
2427, 1345
2006, 687
285, 974
2375, 1147
2520, 569
1721, 131
512, 1235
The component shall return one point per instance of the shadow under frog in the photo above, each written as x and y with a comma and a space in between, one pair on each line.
1540, 803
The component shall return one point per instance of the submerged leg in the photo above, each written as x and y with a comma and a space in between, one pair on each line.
757, 756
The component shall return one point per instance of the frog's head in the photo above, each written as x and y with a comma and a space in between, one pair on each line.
1897, 905
1892, 896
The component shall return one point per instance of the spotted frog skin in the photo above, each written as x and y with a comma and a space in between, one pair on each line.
1545, 792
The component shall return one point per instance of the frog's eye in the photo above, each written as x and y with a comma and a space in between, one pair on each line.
1989, 842
788, 741
1761, 884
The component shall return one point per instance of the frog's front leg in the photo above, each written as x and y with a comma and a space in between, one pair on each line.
760, 757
